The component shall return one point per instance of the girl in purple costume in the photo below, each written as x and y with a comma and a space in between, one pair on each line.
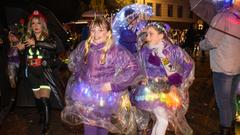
96, 95
13, 58
169, 71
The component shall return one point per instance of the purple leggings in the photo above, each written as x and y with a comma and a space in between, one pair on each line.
93, 130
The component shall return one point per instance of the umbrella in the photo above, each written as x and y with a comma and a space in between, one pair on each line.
207, 9
131, 12
212, 11
92, 14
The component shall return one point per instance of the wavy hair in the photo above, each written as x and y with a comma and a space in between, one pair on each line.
101, 22
42, 21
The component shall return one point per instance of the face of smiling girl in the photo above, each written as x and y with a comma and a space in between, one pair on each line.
153, 36
99, 34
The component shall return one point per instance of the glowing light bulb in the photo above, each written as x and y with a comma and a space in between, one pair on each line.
101, 102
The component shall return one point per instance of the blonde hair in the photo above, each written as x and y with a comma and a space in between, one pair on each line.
44, 33
99, 21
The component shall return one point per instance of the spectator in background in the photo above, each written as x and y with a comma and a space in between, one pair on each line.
224, 54
13, 59
128, 36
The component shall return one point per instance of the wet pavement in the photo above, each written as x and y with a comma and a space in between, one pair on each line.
202, 114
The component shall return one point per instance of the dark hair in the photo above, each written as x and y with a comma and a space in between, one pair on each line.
128, 12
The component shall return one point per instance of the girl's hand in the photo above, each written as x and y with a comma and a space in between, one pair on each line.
30, 42
106, 87
157, 79
144, 81
173, 88
21, 46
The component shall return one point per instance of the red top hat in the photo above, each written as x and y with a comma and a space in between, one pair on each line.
36, 13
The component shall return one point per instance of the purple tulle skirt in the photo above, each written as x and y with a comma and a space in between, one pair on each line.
87, 104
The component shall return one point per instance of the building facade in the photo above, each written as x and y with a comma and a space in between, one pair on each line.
171, 11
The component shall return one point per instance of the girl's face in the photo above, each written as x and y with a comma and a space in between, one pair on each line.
99, 34
153, 36
132, 20
36, 26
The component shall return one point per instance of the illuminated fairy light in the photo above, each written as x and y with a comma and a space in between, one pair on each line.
125, 102
170, 99
173, 100
238, 118
236, 1
101, 102
87, 94
146, 89
226, 1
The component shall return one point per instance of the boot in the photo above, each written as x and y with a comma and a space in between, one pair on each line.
45, 110
39, 109
224, 131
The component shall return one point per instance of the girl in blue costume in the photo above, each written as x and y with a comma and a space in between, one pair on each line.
96, 94
169, 73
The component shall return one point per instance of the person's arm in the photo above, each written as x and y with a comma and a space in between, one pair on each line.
127, 36
49, 44
75, 58
183, 64
205, 45
127, 69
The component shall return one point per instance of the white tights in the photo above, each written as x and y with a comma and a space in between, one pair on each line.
161, 124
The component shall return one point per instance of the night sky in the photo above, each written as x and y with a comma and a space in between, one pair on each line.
65, 10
